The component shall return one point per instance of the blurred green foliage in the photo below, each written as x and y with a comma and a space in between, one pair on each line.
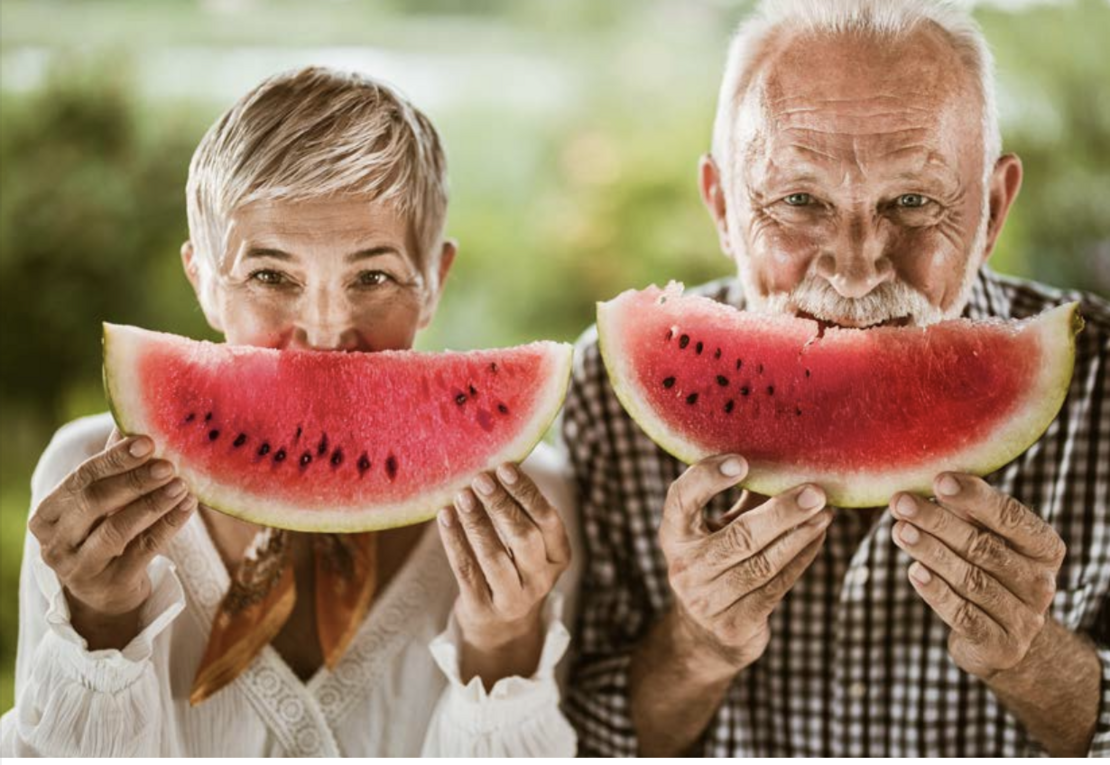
554, 209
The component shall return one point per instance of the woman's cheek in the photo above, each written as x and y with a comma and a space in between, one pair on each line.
266, 323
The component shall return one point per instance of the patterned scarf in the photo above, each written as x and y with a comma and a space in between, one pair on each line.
263, 592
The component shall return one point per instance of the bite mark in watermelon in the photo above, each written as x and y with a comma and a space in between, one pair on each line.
331, 442
862, 413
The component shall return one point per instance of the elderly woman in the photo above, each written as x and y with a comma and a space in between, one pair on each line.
316, 212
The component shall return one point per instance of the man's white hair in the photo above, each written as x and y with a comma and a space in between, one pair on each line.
884, 18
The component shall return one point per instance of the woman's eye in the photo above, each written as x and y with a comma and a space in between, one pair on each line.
798, 200
373, 278
266, 276
912, 200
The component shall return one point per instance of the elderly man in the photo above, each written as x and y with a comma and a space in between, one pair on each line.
856, 177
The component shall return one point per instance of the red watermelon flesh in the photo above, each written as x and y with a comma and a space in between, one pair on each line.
864, 413
322, 441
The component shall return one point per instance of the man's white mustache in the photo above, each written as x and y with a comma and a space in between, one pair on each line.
889, 300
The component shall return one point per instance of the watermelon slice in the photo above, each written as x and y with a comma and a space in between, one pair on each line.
862, 413
338, 442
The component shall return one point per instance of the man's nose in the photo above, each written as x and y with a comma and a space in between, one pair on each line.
858, 261
325, 323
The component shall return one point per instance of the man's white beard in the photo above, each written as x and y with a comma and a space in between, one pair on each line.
890, 300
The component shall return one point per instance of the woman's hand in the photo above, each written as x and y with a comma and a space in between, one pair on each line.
507, 547
100, 528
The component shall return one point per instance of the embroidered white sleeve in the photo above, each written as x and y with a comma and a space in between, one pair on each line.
518, 717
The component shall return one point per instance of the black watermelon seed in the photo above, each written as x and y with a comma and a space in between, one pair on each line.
391, 467
208, 417
279, 455
683, 341
668, 382
503, 409
460, 399
699, 347
670, 335
263, 450
473, 391
190, 417
722, 380
363, 463
336, 457
729, 405
692, 398
299, 431
240, 440
305, 459
798, 411
759, 369
717, 354
807, 373
744, 391
770, 390
739, 363
322, 449
493, 367
213, 435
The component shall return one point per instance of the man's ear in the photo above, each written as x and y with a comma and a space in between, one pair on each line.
1005, 183
446, 258
713, 195
192, 272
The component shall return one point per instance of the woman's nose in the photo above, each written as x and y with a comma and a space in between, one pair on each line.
325, 323
858, 263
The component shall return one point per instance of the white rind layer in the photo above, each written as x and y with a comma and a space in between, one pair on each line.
1055, 328
124, 345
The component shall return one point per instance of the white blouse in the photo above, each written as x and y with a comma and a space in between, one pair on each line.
396, 691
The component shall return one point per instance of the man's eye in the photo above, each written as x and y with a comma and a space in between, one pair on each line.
373, 278
266, 276
798, 200
912, 200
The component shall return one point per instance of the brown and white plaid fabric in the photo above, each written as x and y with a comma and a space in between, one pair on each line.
857, 664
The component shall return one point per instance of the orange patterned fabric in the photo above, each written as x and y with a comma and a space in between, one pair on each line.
262, 595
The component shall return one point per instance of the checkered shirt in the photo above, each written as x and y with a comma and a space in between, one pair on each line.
858, 663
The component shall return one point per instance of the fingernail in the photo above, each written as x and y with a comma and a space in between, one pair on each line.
920, 574
141, 447
948, 485
906, 507
444, 517
732, 467
507, 474
810, 498
161, 470
176, 489
466, 502
908, 534
484, 484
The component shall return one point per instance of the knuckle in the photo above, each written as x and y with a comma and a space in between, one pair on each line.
112, 539
1011, 513
984, 546
740, 537
1044, 588
759, 567
967, 620
148, 543
975, 581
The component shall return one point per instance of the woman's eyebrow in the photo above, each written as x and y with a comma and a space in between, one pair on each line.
373, 252
267, 252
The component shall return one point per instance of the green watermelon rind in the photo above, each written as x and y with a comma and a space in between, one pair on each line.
269, 513
1057, 328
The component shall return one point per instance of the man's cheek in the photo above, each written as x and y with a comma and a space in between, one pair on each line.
781, 255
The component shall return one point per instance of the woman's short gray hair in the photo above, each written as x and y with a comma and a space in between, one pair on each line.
879, 17
316, 132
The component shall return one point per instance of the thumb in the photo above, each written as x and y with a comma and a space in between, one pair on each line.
691, 491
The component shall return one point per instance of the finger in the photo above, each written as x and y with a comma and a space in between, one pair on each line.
754, 530
964, 617
758, 571
758, 605
970, 582
977, 500
1033, 584
524, 490
518, 533
110, 539
468, 574
123, 456
154, 540
110, 494
493, 558
682, 510
749, 500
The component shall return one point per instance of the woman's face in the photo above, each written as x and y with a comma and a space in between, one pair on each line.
328, 275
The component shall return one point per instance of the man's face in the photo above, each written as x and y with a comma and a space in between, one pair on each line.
337, 274
857, 195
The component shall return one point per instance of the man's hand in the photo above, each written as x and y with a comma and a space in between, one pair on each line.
985, 564
727, 581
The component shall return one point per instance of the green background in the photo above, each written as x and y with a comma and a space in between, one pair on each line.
572, 127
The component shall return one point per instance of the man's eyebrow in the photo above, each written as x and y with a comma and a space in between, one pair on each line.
372, 252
